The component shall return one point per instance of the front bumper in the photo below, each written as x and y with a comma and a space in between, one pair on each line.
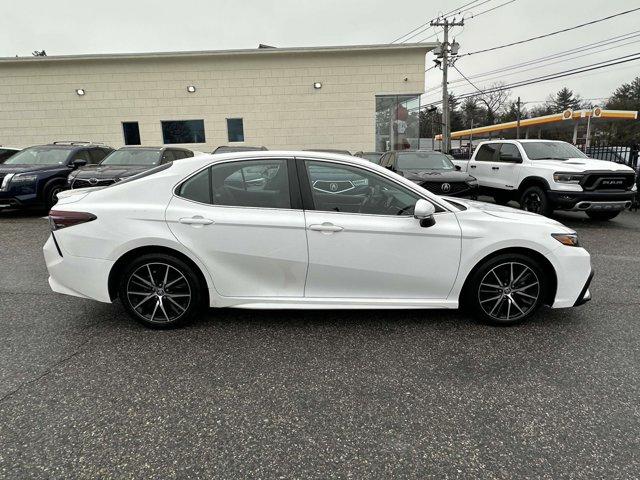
591, 201
78, 276
585, 294
573, 272
9, 199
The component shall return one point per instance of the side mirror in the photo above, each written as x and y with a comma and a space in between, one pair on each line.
424, 211
79, 162
458, 168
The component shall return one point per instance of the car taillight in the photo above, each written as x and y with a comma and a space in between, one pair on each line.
62, 219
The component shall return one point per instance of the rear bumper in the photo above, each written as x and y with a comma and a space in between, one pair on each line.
591, 201
78, 276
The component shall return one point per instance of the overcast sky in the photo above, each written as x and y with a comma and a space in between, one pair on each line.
87, 26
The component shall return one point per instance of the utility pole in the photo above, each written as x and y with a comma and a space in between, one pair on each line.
445, 50
518, 124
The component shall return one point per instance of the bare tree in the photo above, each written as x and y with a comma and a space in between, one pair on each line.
495, 99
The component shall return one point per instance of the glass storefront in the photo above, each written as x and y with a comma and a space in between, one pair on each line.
397, 122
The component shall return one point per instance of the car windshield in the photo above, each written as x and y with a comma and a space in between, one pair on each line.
424, 161
39, 156
551, 151
132, 157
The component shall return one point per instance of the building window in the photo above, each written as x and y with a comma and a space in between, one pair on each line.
235, 129
183, 131
397, 122
131, 132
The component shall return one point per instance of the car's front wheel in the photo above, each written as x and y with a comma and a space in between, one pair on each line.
603, 216
161, 291
535, 200
505, 290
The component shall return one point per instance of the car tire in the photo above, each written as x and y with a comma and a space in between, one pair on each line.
603, 216
50, 195
534, 199
161, 291
505, 290
501, 198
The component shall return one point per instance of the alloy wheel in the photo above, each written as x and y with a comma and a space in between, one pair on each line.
158, 292
532, 203
509, 291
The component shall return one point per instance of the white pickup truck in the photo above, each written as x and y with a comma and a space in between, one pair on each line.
548, 175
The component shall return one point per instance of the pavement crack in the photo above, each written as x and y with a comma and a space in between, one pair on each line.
47, 371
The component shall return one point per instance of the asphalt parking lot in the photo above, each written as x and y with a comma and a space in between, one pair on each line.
86, 393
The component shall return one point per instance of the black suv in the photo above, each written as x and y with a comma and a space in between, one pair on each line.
123, 163
431, 170
34, 176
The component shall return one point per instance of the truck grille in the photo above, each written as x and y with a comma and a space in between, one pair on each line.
608, 181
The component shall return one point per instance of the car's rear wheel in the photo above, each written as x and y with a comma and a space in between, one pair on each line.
603, 216
535, 200
506, 290
161, 291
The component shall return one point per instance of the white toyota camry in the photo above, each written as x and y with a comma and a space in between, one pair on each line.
304, 230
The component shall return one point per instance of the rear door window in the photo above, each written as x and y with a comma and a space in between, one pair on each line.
487, 152
509, 153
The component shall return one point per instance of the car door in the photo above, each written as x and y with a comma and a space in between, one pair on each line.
365, 243
509, 168
486, 164
243, 219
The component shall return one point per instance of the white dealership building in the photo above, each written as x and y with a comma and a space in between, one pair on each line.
363, 97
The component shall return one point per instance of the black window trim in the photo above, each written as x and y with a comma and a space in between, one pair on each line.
307, 195
294, 188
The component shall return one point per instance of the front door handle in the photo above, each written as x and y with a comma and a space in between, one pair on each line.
473, 166
326, 227
495, 168
196, 220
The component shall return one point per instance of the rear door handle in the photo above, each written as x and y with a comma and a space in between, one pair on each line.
326, 227
495, 168
473, 166
196, 220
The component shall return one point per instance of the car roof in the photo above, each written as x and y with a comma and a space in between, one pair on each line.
523, 140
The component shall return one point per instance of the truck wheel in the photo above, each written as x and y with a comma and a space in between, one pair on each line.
534, 200
501, 198
603, 216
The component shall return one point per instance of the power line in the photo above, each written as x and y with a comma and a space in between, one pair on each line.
491, 9
455, 10
553, 76
582, 48
458, 12
551, 33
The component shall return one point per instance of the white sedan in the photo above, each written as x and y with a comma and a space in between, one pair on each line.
304, 230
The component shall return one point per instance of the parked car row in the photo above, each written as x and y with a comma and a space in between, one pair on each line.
542, 175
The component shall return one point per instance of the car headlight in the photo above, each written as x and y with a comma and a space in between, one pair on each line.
21, 178
561, 177
568, 239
